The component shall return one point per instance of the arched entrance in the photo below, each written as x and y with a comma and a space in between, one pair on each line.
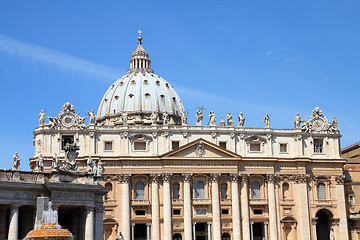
323, 224
200, 231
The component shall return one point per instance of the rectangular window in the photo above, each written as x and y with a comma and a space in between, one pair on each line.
176, 211
255, 147
283, 147
318, 146
108, 146
66, 139
140, 212
176, 194
257, 211
222, 144
175, 145
140, 146
225, 211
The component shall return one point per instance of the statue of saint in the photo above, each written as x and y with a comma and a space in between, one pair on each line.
90, 165
267, 121
82, 124
100, 168
16, 162
91, 117
222, 123
334, 124
184, 120
42, 118
212, 119
229, 120
297, 121
40, 163
55, 163
165, 118
119, 236
53, 122
154, 118
199, 116
241, 120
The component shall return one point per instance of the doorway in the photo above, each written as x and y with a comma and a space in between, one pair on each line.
200, 231
258, 231
140, 232
323, 224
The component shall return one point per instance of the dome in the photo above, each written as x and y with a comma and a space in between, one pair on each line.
137, 96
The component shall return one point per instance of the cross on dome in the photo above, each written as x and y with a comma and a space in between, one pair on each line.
139, 32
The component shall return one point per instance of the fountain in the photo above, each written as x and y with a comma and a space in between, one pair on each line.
50, 228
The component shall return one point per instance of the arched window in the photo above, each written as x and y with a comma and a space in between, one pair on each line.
176, 190
223, 190
321, 191
200, 193
255, 189
139, 190
108, 187
286, 192
225, 236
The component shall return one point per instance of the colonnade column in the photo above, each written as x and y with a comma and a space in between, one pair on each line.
99, 226
215, 205
148, 225
340, 194
194, 230
155, 211
187, 206
14, 222
89, 223
272, 206
235, 206
245, 207
125, 205
132, 231
167, 206
303, 201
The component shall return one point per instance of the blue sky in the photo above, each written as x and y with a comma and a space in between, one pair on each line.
255, 57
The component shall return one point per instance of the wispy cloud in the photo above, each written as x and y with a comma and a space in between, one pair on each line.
58, 59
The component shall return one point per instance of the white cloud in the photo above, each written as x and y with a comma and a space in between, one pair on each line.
61, 60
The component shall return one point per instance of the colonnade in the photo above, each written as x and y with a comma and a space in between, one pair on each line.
241, 227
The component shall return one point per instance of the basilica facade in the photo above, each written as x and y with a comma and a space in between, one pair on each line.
170, 180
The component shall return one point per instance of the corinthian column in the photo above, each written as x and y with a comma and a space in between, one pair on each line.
167, 205
14, 222
155, 211
235, 206
125, 205
245, 206
89, 223
303, 200
272, 206
343, 226
187, 206
215, 205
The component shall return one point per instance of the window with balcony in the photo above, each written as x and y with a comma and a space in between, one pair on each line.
140, 190
321, 191
176, 191
318, 146
200, 190
255, 190
66, 140
223, 191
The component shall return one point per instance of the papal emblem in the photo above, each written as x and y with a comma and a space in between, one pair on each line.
200, 149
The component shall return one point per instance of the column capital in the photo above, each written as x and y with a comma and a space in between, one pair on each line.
270, 178
234, 177
214, 177
147, 224
154, 177
132, 224
124, 178
301, 178
244, 177
186, 177
194, 223
340, 179
209, 223
89, 208
15, 205
166, 177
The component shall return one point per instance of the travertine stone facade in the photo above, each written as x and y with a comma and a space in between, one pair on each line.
168, 180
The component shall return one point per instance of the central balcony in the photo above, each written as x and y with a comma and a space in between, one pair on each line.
140, 202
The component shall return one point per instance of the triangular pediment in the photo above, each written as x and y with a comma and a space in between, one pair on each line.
201, 149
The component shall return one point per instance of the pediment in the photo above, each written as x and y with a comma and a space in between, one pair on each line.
201, 149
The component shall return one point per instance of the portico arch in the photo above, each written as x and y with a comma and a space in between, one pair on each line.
323, 224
